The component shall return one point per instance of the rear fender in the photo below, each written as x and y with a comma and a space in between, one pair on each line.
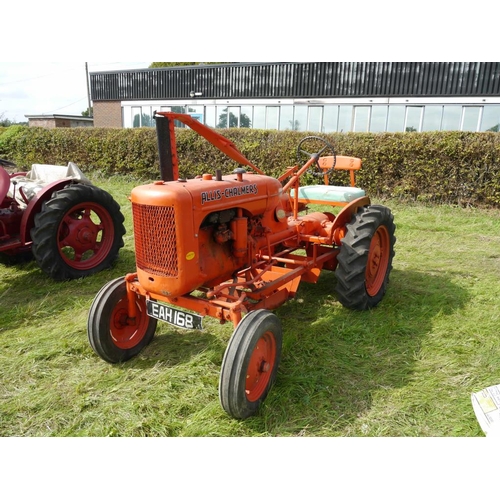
345, 216
35, 206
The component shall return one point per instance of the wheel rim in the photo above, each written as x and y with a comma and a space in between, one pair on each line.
125, 333
378, 260
260, 367
85, 236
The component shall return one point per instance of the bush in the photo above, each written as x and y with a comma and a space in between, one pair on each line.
440, 167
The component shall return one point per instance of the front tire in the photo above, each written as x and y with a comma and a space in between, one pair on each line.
111, 333
365, 258
250, 363
78, 232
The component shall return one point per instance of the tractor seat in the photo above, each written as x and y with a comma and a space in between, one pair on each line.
333, 195
328, 194
4, 183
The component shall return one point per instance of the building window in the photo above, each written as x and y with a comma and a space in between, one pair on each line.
432, 118
413, 122
246, 116
259, 117
272, 117
300, 118
491, 119
396, 119
286, 118
222, 121
314, 118
233, 117
330, 118
451, 118
345, 119
210, 116
470, 118
378, 119
361, 118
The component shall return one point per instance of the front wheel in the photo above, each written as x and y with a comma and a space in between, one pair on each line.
250, 363
113, 335
78, 232
365, 258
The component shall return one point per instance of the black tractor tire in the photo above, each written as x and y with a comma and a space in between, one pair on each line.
110, 332
365, 258
78, 232
250, 363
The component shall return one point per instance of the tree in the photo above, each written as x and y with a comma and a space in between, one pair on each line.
233, 120
88, 112
172, 64
144, 120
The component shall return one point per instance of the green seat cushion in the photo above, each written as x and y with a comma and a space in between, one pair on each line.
329, 193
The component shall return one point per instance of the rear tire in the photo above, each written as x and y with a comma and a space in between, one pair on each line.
365, 258
250, 363
110, 333
78, 232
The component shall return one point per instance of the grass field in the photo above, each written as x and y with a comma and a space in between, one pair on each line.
405, 368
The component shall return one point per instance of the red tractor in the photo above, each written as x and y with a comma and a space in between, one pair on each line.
234, 247
72, 228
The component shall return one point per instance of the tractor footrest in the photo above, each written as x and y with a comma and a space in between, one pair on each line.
336, 194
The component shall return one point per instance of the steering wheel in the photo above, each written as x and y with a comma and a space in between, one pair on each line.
6, 163
320, 145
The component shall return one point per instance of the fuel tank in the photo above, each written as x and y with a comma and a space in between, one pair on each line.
190, 233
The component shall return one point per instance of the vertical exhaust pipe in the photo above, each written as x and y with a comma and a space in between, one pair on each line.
166, 148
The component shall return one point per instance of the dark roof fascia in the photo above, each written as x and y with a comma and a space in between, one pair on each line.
192, 66
66, 117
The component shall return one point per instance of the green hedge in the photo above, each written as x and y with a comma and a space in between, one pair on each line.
440, 167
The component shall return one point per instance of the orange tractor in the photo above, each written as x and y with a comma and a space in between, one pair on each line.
234, 247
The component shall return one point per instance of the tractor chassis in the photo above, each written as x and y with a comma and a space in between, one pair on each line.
267, 284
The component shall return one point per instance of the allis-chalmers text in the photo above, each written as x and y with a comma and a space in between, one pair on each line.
218, 194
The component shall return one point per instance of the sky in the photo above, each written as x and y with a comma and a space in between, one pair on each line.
336, 32
47, 88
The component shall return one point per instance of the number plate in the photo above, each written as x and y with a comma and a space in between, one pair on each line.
174, 316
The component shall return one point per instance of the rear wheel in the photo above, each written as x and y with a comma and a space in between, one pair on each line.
250, 363
113, 335
365, 258
78, 232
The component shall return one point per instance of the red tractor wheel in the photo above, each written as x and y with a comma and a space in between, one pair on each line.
250, 363
78, 232
113, 335
365, 258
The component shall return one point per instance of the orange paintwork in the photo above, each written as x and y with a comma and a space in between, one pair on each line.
232, 239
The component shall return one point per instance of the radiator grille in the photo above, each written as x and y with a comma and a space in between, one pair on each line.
155, 243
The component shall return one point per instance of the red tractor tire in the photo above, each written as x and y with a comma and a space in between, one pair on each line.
111, 333
78, 232
365, 258
250, 363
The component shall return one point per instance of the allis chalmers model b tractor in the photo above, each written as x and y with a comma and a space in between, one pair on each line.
72, 228
234, 247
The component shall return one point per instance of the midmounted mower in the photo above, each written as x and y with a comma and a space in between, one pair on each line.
54, 213
235, 247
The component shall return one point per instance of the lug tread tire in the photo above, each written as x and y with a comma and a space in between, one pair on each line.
99, 321
44, 233
236, 360
353, 257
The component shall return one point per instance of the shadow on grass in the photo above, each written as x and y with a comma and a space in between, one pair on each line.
26, 289
334, 358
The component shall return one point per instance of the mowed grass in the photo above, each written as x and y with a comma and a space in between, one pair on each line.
404, 368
